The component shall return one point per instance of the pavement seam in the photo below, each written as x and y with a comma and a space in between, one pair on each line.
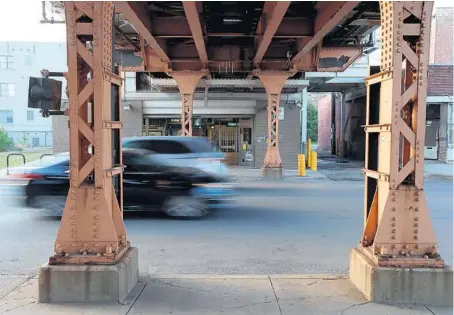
352, 306
275, 295
17, 286
135, 300
429, 309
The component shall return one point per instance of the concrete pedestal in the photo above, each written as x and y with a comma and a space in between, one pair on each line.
273, 173
424, 286
89, 283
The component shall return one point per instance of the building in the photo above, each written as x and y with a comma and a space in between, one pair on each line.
342, 115
231, 113
19, 61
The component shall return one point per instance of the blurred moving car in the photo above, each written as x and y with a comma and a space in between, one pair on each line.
151, 182
198, 152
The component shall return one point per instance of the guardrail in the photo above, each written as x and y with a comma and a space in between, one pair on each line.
8, 159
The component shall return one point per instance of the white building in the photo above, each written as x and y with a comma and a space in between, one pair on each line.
18, 62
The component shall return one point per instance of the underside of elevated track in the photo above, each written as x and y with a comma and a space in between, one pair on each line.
270, 42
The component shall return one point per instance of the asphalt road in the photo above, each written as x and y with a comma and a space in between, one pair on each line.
307, 229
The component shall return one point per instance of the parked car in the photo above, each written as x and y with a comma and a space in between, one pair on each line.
151, 182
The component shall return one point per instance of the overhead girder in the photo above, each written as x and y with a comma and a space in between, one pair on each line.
329, 15
272, 15
136, 13
192, 14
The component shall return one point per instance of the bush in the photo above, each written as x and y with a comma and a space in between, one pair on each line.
312, 122
5, 143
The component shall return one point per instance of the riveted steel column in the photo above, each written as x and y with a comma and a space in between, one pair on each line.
273, 81
187, 82
92, 229
398, 230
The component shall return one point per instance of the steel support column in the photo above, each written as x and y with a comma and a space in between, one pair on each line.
273, 81
187, 82
92, 229
398, 230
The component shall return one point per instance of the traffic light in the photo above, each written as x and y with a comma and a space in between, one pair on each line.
44, 93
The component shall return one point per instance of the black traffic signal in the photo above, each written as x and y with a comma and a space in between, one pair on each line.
44, 93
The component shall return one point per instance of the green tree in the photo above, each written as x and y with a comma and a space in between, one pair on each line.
5, 142
312, 122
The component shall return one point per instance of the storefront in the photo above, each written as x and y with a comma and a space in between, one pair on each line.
231, 135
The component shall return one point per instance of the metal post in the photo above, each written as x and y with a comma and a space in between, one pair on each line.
273, 81
304, 105
92, 229
398, 230
187, 82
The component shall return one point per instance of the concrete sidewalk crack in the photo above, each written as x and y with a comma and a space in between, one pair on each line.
17, 286
135, 300
252, 304
275, 295
352, 306
180, 287
17, 307
429, 309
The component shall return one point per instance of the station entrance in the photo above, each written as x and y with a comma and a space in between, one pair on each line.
232, 136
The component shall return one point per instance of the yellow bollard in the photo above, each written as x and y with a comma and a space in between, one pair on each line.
308, 152
314, 160
301, 165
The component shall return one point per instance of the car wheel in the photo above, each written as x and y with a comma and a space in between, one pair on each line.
185, 206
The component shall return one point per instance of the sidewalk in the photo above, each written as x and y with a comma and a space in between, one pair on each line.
336, 169
230, 295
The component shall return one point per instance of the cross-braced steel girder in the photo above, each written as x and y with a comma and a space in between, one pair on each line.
398, 230
273, 81
92, 229
187, 82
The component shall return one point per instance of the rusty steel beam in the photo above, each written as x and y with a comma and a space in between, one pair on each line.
192, 14
91, 229
398, 231
273, 82
187, 82
330, 14
268, 25
137, 14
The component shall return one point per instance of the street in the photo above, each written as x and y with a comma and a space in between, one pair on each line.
306, 229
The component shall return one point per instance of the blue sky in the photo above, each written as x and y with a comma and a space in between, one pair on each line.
20, 22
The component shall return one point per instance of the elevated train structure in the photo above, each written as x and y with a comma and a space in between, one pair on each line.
271, 42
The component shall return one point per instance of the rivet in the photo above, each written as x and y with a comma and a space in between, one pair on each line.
402, 252
416, 199
393, 231
73, 235
416, 231
416, 209
393, 237
394, 256
393, 224
416, 225
415, 237
393, 209
426, 256
393, 218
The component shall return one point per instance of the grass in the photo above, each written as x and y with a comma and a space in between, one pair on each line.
30, 155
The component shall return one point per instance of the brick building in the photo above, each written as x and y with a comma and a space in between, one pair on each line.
342, 115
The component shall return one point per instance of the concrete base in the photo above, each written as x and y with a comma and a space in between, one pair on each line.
88, 283
424, 286
273, 173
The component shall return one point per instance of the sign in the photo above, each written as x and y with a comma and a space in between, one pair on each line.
232, 124
281, 113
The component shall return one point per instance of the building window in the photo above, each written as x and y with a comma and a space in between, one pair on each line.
7, 89
30, 115
35, 142
6, 117
6, 62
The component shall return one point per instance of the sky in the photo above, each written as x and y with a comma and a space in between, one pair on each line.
20, 21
